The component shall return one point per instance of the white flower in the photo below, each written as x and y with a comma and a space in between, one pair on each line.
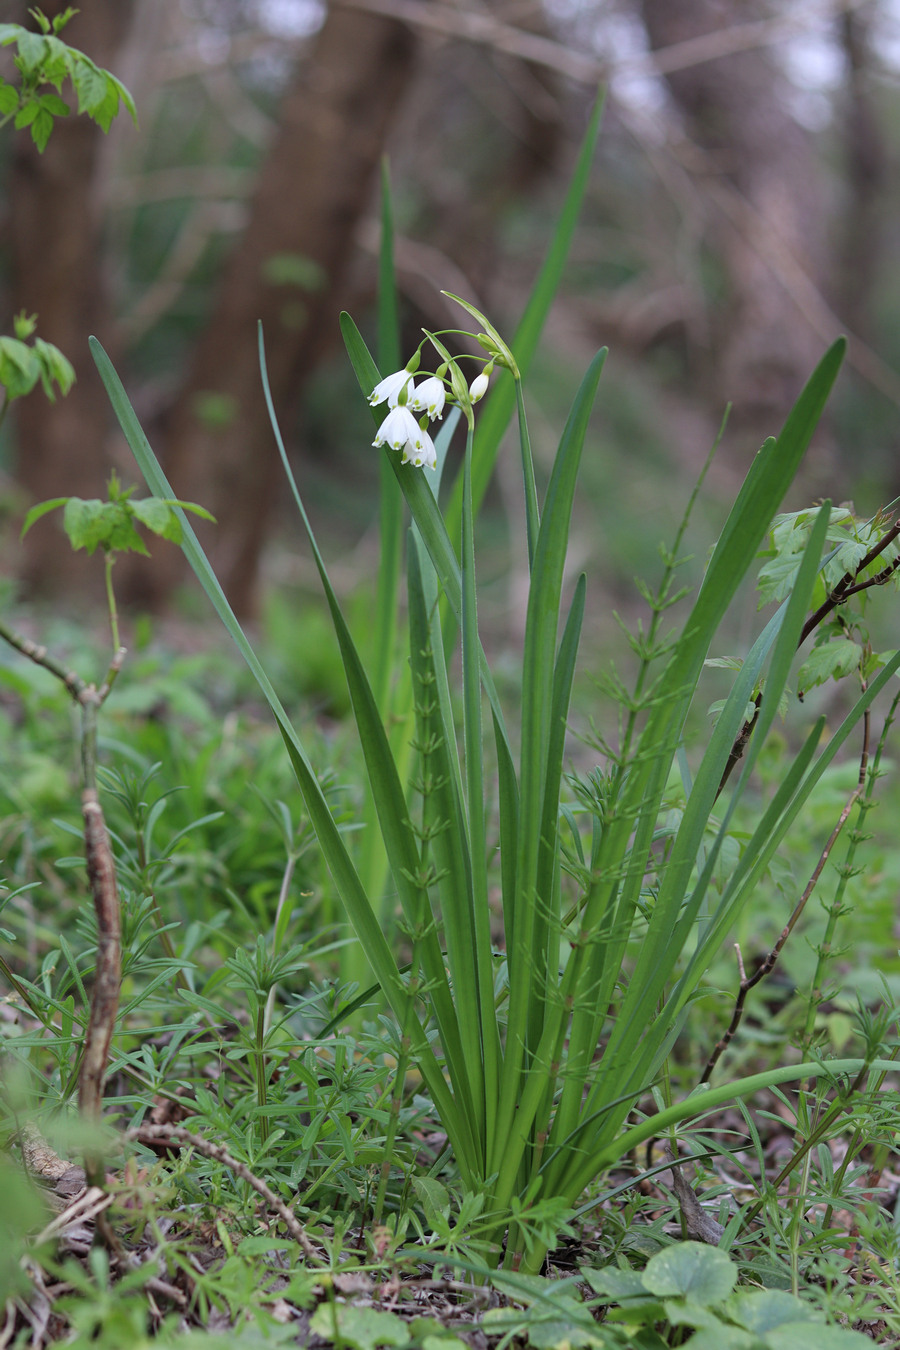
420, 451
397, 428
429, 397
390, 388
478, 387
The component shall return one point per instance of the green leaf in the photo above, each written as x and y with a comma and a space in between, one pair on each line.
431, 1334
434, 1199
158, 516
760, 1310
33, 49
91, 86
494, 416
42, 509
9, 98
54, 105
42, 128
803, 1336
26, 115
361, 1328
831, 660
20, 368
691, 1270
723, 1337
54, 366
107, 524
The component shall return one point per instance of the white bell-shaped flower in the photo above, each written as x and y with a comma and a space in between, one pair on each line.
420, 451
390, 388
429, 397
397, 428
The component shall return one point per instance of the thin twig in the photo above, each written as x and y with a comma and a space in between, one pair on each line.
101, 872
481, 28
838, 594
146, 1134
767, 965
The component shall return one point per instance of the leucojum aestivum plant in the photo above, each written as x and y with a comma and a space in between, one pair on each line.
536, 1057
539, 1052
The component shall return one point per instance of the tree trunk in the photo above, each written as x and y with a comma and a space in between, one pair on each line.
287, 271
758, 167
55, 228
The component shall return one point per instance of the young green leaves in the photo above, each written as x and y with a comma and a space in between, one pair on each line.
43, 59
112, 525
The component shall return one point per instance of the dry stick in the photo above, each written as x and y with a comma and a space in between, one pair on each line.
841, 592
767, 965
102, 879
146, 1134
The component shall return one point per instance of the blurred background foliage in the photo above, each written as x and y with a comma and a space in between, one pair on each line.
743, 211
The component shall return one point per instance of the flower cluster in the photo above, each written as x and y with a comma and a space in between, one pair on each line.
400, 429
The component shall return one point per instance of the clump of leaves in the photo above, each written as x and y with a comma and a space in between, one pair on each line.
112, 525
22, 365
43, 59
687, 1287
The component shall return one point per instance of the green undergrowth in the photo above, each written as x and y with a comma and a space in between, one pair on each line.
231, 979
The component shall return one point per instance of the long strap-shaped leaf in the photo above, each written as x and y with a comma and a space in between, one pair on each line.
640, 1027
498, 408
356, 902
628, 840
445, 830
526, 964
393, 818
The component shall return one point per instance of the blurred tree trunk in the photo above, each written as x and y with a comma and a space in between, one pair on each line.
735, 108
55, 227
866, 167
287, 271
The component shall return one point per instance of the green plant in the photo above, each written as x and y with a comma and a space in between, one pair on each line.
110, 526
44, 59
535, 1062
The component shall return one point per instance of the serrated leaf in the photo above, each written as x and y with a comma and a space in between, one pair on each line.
92, 523
42, 129
159, 517
105, 110
53, 104
9, 98
33, 49
832, 660
692, 1270
25, 116
90, 85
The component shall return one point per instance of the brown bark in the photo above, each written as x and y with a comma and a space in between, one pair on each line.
736, 111
55, 232
312, 190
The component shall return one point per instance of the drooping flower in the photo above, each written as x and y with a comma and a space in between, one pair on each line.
429, 397
478, 387
398, 428
420, 451
390, 388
